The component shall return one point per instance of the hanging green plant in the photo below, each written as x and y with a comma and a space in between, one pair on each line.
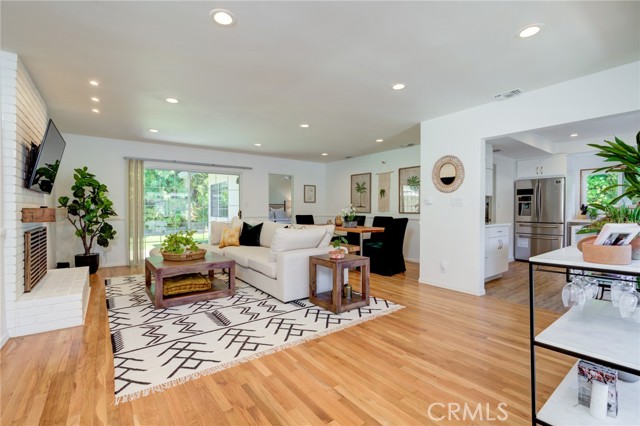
382, 193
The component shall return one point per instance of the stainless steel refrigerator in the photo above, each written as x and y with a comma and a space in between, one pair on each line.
539, 216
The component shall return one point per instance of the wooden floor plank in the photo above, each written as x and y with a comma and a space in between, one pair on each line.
442, 347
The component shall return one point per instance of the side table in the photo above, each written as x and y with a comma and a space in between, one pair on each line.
333, 300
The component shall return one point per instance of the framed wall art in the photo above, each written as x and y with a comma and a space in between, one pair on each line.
409, 189
361, 192
309, 193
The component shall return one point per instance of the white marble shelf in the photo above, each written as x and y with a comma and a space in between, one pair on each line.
571, 257
562, 408
597, 331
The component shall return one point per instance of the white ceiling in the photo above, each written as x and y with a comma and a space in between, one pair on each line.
329, 64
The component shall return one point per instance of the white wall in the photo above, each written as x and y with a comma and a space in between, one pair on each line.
24, 119
504, 199
105, 158
339, 181
452, 232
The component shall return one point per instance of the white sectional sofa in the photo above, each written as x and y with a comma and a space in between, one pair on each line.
280, 265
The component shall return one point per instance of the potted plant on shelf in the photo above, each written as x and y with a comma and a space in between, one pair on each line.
627, 162
181, 246
88, 212
349, 217
337, 252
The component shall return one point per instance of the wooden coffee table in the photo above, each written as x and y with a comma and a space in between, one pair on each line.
333, 300
162, 269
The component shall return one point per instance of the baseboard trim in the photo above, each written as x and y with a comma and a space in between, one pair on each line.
4, 339
453, 288
412, 260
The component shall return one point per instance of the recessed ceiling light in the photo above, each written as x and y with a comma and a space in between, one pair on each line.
153, 130
398, 86
379, 140
529, 30
96, 110
222, 17
324, 154
94, 99
304, 125
257, 144
94, 83
573, 135
172, 100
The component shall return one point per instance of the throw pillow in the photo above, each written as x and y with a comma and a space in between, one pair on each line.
250, 235
230, 237
215, 233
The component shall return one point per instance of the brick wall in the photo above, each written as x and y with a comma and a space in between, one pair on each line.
24, 120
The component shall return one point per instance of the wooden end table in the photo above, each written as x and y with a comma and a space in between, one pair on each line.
162, 269
333, 300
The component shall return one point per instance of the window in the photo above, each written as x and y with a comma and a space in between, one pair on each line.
593, 185
179, 199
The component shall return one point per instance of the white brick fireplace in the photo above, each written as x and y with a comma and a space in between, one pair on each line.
24, 119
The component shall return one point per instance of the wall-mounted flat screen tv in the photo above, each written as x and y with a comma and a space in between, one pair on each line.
45, 168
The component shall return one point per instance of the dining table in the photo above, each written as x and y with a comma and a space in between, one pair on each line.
361, 230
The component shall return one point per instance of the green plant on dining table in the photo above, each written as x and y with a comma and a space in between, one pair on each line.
349, 213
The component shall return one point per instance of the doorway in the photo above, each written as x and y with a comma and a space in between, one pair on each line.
280, 198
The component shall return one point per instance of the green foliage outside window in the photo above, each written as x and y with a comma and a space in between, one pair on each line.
597, 185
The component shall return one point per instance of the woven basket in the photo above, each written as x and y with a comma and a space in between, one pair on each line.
184, 256
187, 283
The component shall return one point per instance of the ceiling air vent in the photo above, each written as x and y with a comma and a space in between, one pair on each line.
507, 95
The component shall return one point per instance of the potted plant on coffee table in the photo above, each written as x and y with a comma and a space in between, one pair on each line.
181, 246
88, 212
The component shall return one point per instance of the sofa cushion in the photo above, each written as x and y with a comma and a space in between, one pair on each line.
327, 236
286, 239
242, 254
261, 263
230, 237
215, 231
250, 234
268, 229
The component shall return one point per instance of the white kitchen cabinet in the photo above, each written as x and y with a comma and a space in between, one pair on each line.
555, 165
496, 250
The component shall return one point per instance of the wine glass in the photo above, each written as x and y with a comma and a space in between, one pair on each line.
618, 288
628, 303
574, 294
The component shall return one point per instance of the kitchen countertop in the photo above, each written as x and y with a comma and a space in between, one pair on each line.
491, 225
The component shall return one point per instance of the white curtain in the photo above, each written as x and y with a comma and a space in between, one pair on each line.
136, 211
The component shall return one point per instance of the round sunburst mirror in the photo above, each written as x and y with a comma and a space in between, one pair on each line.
448, 173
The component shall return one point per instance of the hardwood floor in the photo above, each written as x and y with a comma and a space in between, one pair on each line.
514, 287
443, 348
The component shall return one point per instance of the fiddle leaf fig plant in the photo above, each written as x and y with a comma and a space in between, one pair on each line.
179, 243
89, 210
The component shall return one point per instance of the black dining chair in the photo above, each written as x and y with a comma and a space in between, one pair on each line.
385, 255
379, 221
354, 237
304, 219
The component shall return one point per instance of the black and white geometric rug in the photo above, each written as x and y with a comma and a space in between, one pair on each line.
155, 349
